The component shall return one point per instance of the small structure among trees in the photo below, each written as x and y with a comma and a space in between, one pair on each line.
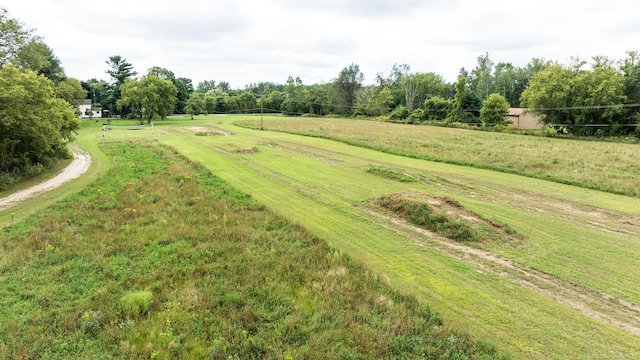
86, 110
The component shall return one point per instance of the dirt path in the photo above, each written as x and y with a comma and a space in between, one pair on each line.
597, 305
78, 166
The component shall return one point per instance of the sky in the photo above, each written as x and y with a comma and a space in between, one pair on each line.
251, 41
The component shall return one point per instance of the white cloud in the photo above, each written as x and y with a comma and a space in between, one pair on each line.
252, 41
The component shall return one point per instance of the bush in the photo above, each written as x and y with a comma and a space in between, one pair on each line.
136, 304
400, 113
417, 116
494, 111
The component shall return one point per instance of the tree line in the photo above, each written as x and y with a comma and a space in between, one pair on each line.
602, 97
38, 114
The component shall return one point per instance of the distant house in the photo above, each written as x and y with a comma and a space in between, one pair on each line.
523, 120
86, 110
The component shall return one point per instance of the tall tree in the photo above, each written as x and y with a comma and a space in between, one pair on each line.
35, 126
348, 83
459, 98
318, 99
216, 101
69, 90
148, 97
119, 71
373, 101
206, 85
481, 79
401, 75
224, 86
99, 92
579, 99
630, 70
431, 84
295, 101
14, 36
195, 104
185, 88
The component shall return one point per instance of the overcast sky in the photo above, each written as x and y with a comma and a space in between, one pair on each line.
249, 41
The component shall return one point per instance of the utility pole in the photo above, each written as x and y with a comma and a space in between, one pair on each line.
261, 119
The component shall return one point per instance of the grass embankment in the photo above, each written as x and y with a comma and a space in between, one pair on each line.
606, 166
160, 259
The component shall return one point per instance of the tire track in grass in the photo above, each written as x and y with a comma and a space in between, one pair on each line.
597, 305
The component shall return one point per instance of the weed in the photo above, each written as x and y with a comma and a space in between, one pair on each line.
421, 214
135, 304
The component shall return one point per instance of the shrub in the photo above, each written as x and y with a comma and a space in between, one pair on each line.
417, 116
494, 110
136, 303
400, 113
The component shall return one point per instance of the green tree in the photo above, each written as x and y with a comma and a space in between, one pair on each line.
318, 99
119, 71
272, 101
431, 84
481, 79
148, 97
185, 88
14, 36
35, 126
216, 101
99, 91
295, 100
550, 95
630, 70
460, 96
437, 108
373, 101
195, 104
69, 90
582, 100
347, 84
408, 82
494, 110
206, 85
224, 86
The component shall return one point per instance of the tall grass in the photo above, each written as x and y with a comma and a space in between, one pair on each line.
161, 259
606, 166
421, 214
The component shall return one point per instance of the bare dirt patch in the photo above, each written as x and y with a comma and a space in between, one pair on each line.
206, 131
78, 166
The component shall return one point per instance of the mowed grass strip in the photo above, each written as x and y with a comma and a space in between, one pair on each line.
606, 166
316, 182
161, 259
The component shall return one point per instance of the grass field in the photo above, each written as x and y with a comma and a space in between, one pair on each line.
607, 166
160, 259
553, 273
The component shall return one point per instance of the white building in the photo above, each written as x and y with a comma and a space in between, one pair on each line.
86, 110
